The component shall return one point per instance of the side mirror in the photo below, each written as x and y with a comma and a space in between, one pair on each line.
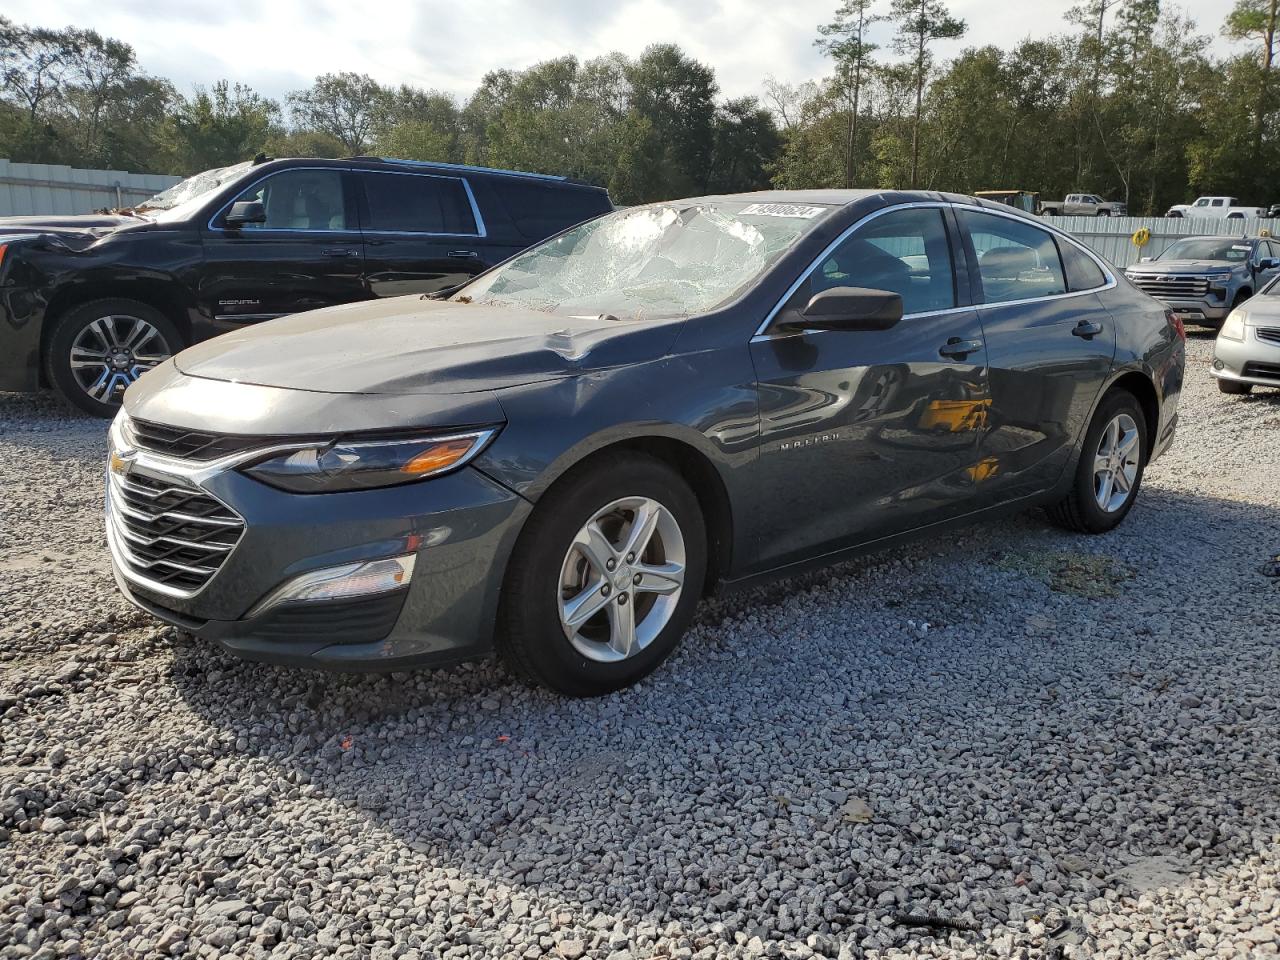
246, 211
848, 308
1268, 263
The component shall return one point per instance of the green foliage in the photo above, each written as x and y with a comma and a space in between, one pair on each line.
1126, 101
221, 126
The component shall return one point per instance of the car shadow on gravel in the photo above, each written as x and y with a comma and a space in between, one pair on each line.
1018, 738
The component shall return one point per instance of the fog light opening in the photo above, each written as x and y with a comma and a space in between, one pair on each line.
337, 583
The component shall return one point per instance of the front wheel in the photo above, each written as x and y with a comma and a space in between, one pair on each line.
1234, 387
605, 578
1110, 470
99, 348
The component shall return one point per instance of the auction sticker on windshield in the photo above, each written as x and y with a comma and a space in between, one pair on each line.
781, 210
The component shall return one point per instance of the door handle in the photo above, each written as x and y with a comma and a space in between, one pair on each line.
340, 252
1087, 329
464, 254
958, 348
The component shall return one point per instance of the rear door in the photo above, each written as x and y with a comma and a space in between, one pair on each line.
307, 254
868, 433
1050, 346
422, 232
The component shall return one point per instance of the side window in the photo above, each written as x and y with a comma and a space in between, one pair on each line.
1273, 249
300, 200
905, 251
412, 203
1219, 202
1202, 202
1016, 261
1082, 272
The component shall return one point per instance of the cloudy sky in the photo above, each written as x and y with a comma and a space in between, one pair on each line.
280, 45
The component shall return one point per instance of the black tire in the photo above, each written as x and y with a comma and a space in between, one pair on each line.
1079, 509
1234, 387
530, 637
1241, 296
76, 321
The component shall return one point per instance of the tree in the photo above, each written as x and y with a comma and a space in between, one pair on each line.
1250, 19
349, 107
35, 63
675, 95
844, 40
745, 142
97, 70
224, 125
920, 23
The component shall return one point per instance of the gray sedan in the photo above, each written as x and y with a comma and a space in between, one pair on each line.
559, 458
1247, 352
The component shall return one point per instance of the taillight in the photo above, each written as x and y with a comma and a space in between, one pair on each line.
3, 248
1175, 321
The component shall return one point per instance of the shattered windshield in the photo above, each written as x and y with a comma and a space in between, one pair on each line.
1208, 248
659, 261
192, 188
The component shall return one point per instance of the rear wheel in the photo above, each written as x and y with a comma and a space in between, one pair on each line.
1110, 470
605, 578
99, 348
1234, 387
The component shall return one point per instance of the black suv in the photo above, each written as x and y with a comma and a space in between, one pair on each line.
89, 304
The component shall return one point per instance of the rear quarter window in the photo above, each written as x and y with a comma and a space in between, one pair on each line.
541, 208
1082, 272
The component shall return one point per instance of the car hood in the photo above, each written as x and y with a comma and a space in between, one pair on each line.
76, 232
410, 345
1184, 266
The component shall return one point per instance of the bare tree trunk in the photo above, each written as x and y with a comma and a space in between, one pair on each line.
915, 127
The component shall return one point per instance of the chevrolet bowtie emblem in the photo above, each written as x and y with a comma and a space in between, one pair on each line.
121, 460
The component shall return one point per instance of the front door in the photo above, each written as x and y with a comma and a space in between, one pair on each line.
308, 253
869, 433
1050, 346
423, 232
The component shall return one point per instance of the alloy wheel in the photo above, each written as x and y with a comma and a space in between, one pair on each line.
621, 579
1115, 463
112, 352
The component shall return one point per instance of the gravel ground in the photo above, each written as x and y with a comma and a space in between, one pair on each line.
1070, 742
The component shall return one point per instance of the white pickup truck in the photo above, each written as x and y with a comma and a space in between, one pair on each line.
1223, 208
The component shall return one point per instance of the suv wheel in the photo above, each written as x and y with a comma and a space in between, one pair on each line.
1234, 387
99, 348
605, 578
1110, 470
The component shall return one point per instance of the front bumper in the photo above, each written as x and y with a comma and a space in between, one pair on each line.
461, 527
1198, 311
1252, 360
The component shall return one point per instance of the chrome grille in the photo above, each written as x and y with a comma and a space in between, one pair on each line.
190, 444
1269, 334
168, 532
1170, 285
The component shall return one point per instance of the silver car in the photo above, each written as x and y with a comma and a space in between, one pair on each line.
1247, 353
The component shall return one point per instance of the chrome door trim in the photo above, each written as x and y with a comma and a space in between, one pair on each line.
830, 248
466, 186
1102, 265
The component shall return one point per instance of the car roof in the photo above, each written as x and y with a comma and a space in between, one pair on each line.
829, 197
426, 166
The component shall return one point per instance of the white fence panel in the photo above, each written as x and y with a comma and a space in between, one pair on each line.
48, 188
1109, 237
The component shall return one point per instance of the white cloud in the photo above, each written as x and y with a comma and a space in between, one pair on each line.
280, 46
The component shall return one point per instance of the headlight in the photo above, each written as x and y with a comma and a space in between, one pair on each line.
362, 464
1218, 277
1233, 326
